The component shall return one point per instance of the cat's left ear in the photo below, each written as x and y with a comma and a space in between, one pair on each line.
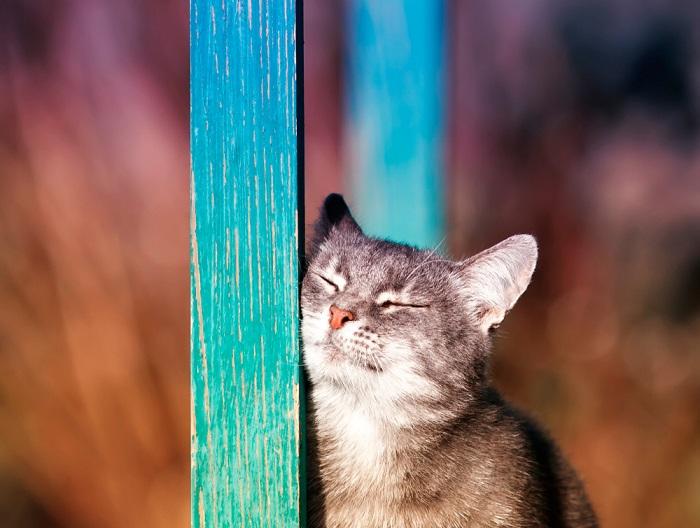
333, 216
494, 279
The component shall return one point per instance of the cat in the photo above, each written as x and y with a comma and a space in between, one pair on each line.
404, 428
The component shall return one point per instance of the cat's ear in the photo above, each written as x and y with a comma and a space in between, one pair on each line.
494, 279
334, 214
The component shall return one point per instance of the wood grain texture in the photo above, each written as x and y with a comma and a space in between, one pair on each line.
245, 361
395, 117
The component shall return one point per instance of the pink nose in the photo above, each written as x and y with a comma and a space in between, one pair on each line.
339, 317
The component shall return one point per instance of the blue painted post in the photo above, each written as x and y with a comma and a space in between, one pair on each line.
395, 131
245, 240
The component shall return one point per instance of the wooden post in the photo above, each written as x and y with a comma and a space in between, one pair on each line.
245, 242
395, 111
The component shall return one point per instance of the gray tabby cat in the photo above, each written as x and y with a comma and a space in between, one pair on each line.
405, 429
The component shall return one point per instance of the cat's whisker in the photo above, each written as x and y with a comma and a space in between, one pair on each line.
426, 260
377, 363
438, 245
421, 265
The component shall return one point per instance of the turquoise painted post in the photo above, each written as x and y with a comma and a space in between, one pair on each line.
395, 132
245, 240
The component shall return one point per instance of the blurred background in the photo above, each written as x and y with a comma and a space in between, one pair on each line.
94, 264
576, 121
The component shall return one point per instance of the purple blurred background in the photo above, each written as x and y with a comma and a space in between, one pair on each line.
577, 121
94, 328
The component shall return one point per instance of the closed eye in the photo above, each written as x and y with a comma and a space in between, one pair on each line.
328, 281
390, 304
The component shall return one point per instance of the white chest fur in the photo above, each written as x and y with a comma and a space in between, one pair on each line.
358, 469
363, 469
353, 445
357, 450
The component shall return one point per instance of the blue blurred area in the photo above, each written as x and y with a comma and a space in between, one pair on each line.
394, 129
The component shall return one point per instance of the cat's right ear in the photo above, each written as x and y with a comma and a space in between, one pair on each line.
334, 215
494, 279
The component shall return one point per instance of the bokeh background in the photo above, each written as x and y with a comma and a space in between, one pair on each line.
94, 264
577, 121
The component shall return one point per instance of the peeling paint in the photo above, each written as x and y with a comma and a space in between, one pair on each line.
244, 265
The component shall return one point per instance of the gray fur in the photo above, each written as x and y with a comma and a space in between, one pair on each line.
405, 429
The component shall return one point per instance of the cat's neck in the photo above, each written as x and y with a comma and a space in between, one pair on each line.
369, 428
388, 413
363, 450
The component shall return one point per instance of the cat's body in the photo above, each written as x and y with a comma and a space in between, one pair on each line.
404, 428
490, 468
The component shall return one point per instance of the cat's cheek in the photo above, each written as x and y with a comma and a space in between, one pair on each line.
314, 329
405, 376
312, 362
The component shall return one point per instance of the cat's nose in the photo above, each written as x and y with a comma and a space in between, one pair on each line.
339, 317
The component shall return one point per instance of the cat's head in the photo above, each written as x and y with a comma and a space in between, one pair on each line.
390, 322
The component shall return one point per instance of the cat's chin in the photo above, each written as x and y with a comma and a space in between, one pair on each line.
334, 355
330, 363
